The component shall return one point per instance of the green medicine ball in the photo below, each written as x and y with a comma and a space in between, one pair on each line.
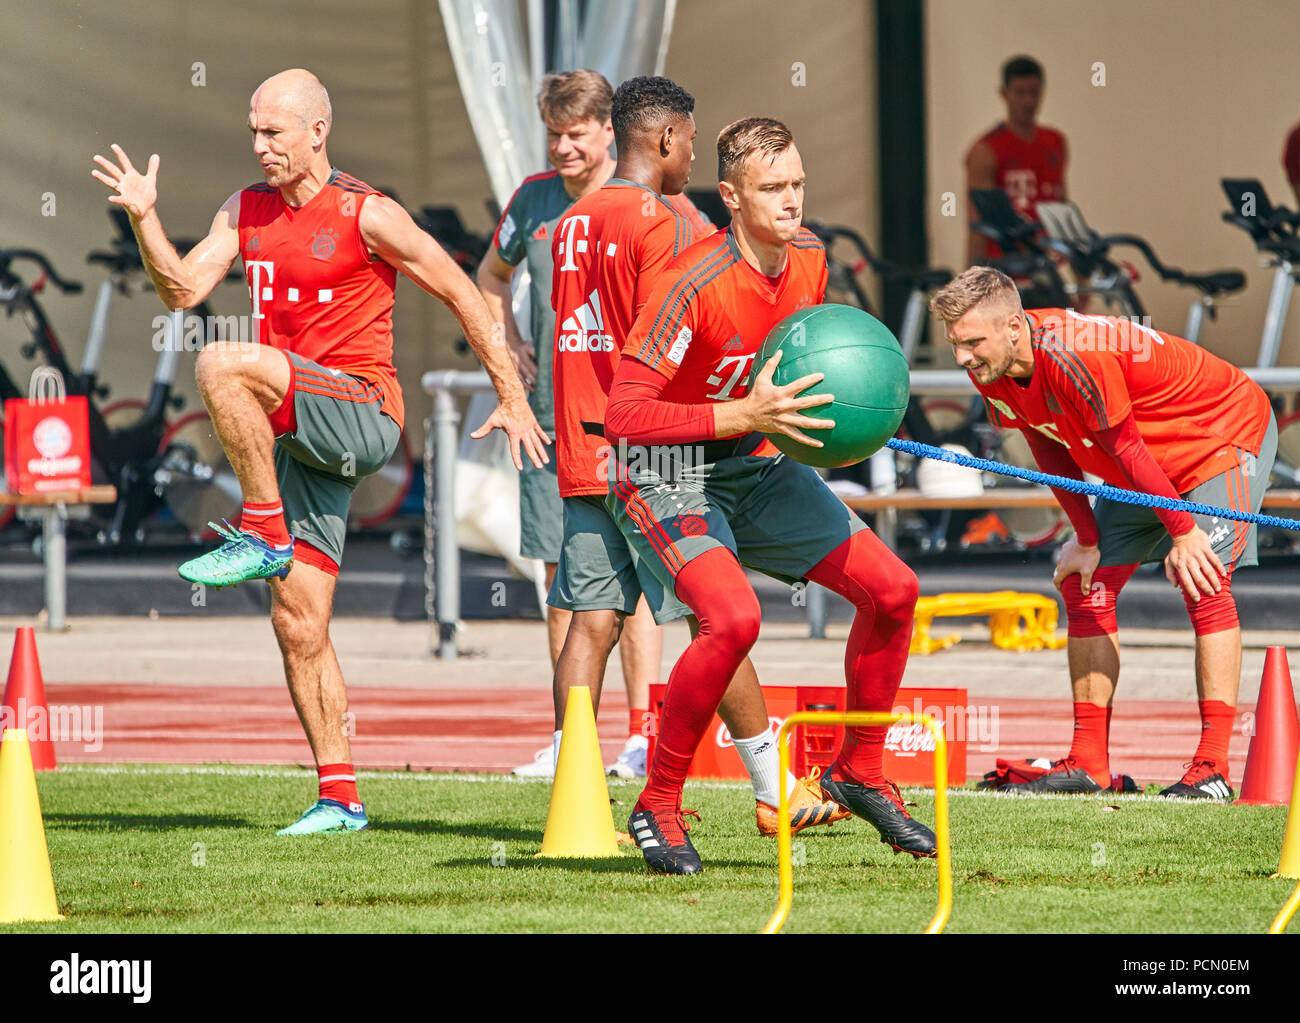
864, 368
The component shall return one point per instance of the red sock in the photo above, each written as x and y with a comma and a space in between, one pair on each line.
1216, 730
339, 783
714, 587
265, 519
636, 719
883, 590
1090, 748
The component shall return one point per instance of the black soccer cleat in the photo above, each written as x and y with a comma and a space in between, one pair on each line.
1062, 777
883, 809
1202, 781
660, 856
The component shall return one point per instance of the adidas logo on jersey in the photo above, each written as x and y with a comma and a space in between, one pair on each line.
584, 330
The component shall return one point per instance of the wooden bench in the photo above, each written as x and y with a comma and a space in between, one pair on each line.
53, 510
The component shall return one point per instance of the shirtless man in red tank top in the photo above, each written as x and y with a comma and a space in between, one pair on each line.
311, 405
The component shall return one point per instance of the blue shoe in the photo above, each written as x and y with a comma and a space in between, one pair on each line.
242, 557
327, 815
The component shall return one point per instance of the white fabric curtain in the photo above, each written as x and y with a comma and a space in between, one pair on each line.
499, 73
490, 52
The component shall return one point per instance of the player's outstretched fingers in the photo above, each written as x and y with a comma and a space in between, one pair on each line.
790, 423
535, 444
1193, 581
795, 387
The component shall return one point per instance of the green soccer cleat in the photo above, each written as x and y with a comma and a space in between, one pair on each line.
326, 816
242, 557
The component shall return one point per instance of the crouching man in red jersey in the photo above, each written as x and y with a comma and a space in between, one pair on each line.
1145, 411
725, 497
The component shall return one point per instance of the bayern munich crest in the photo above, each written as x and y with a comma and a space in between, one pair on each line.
323, 243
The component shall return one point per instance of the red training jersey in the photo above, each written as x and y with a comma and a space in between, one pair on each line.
1029, 171
710, 312
608, 250
316, 290
1191, 408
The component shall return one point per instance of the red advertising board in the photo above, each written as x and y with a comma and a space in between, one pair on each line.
908, 747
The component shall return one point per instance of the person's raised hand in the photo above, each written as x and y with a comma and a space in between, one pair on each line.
135, 192
779, 409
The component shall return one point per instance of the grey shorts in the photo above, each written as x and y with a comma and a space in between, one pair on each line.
541, 513
340, 438
776, 515
1132, 534
599, 571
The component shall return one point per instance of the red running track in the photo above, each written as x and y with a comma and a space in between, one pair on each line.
487, 730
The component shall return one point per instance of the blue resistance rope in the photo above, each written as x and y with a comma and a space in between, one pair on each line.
1082, 487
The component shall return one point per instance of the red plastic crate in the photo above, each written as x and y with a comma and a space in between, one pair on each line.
907, 747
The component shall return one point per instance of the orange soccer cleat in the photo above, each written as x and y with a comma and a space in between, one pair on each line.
807, 808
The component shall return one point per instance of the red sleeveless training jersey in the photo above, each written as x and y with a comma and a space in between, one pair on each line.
315, 289
1031, 171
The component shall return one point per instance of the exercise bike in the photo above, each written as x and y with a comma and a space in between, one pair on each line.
147, 460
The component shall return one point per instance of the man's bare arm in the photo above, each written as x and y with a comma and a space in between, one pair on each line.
391, 234
981, 172
493, 278
181, 282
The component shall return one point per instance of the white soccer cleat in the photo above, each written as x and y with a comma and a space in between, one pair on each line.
631, 762
543, 765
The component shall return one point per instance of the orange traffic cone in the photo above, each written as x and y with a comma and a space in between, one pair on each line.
1270, 764
24, 700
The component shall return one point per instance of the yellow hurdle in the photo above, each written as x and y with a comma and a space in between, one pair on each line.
1286, 913
859, 718
1289, 865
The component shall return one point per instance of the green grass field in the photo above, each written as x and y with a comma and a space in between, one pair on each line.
193, 849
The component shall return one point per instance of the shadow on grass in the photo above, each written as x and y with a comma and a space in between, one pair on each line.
142, 822
621, 864
498, 832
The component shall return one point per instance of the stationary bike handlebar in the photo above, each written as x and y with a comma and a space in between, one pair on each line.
65, 285
923, 277
1213, 283
1273, 229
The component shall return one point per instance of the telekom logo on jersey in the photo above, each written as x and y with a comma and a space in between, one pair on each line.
567, 245
583, 329
261, 275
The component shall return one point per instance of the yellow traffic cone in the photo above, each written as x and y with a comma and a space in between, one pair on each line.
1289, 866
26, 885
579, 823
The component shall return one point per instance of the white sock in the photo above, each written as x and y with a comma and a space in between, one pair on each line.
555, 746
759, 755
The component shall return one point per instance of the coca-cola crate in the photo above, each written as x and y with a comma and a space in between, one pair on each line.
907, 746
